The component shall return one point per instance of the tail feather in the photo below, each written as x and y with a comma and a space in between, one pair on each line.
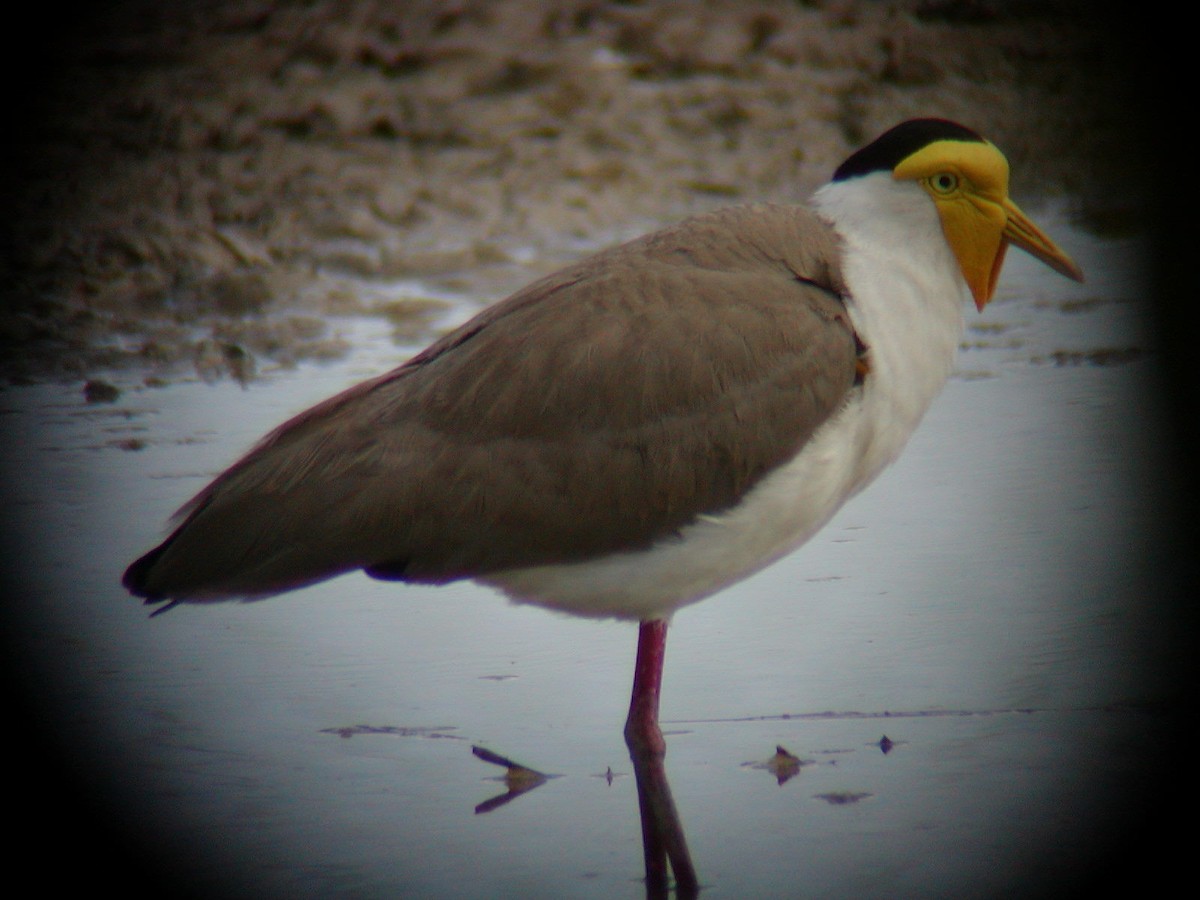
220, 553
137, 577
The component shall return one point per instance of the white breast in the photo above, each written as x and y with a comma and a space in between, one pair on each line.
906, 303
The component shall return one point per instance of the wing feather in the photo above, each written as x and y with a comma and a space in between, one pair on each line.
598, 410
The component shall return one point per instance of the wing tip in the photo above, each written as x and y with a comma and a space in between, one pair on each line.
136, 579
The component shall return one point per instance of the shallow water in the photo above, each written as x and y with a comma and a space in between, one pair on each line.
989, 605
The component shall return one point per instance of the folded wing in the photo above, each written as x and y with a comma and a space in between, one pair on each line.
599, 410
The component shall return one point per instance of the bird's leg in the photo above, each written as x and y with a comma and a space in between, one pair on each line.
642, 734
662, 832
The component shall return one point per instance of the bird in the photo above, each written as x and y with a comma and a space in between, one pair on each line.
639, 430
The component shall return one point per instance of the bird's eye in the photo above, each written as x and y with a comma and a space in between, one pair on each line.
944, 182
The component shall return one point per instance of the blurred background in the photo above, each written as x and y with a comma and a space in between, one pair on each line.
233, 170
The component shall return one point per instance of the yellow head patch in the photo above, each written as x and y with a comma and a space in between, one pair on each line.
968, 181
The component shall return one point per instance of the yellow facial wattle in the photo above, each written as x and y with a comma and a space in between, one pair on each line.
968, 181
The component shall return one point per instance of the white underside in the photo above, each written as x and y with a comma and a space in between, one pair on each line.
907, 300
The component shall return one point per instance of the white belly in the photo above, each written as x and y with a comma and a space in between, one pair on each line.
780, 513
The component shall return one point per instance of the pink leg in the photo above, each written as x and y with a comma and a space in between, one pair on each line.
662, 833
642, 733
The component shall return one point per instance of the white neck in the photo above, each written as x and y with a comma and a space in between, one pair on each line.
907, 291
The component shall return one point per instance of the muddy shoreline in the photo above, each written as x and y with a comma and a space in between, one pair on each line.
209, 181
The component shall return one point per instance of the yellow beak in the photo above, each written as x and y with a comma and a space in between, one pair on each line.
979, 230
1024, 234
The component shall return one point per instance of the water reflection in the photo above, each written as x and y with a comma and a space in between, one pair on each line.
663, 841
518, 779
664, 847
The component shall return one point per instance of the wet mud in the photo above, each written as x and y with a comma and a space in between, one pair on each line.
194, 188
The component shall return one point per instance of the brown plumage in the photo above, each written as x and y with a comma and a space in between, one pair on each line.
598, 410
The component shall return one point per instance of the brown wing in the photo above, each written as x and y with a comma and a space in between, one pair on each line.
596, 411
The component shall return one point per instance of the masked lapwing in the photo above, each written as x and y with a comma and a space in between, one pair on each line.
636, 431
